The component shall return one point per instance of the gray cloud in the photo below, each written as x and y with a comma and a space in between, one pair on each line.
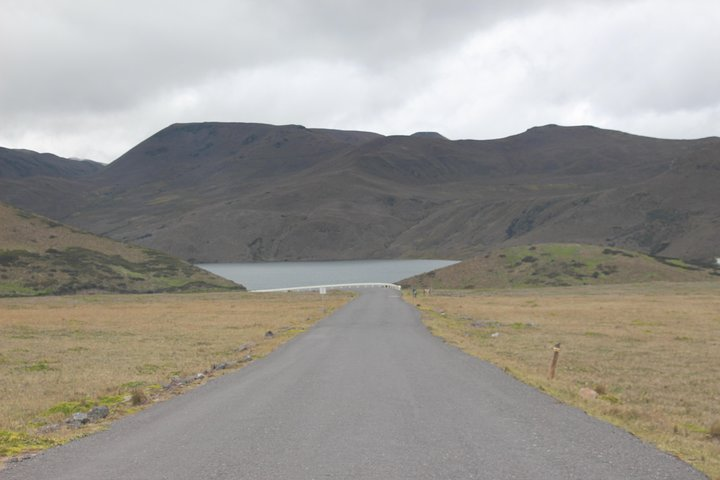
81, 53
91, 79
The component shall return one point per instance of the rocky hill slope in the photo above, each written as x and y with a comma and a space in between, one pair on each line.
235, 192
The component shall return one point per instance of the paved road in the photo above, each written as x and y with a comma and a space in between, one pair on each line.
366, 394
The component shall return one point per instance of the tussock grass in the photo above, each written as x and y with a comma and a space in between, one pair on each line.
60, 355
652, 352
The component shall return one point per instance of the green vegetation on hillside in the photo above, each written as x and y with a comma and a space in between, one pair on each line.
42, 257
559, 265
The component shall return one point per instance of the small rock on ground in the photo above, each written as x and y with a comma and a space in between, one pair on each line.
98, 413
77, 420
245, 346
588, 393
53, 427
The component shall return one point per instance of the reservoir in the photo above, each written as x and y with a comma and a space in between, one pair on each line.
260, 276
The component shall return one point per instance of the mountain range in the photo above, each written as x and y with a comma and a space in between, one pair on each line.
223, 192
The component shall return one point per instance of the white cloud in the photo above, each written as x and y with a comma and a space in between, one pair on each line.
91, 79
590, 65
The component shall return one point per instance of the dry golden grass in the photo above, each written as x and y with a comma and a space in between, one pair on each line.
60, 353
653, 351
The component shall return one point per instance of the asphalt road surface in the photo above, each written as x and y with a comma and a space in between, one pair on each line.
367, 393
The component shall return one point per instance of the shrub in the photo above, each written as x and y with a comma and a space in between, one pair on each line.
138, 397
715, 429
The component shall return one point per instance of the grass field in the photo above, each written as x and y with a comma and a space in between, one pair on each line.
60, 355
652, 352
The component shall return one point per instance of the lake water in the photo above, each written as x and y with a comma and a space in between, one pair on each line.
260, 276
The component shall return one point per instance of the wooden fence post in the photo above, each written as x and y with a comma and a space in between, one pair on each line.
553, 365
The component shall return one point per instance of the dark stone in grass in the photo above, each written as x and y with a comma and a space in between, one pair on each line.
269, 334
245, 346
77, 420
98, 413
223, 365
481, 324
174, 382
20, 458
53, 427
80, 417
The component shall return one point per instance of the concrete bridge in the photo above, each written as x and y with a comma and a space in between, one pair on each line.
325, 288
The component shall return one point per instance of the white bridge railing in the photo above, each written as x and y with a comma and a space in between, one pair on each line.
324, 288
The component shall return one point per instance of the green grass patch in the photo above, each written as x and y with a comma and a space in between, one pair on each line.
691, 427
41, 366
12, 288
14, 443
68, 408
110, 400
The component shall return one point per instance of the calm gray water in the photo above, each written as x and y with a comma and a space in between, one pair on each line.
259, 276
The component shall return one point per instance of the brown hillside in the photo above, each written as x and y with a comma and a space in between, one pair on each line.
559, 265
39, 256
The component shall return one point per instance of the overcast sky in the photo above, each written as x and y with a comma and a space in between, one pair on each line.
91, 79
